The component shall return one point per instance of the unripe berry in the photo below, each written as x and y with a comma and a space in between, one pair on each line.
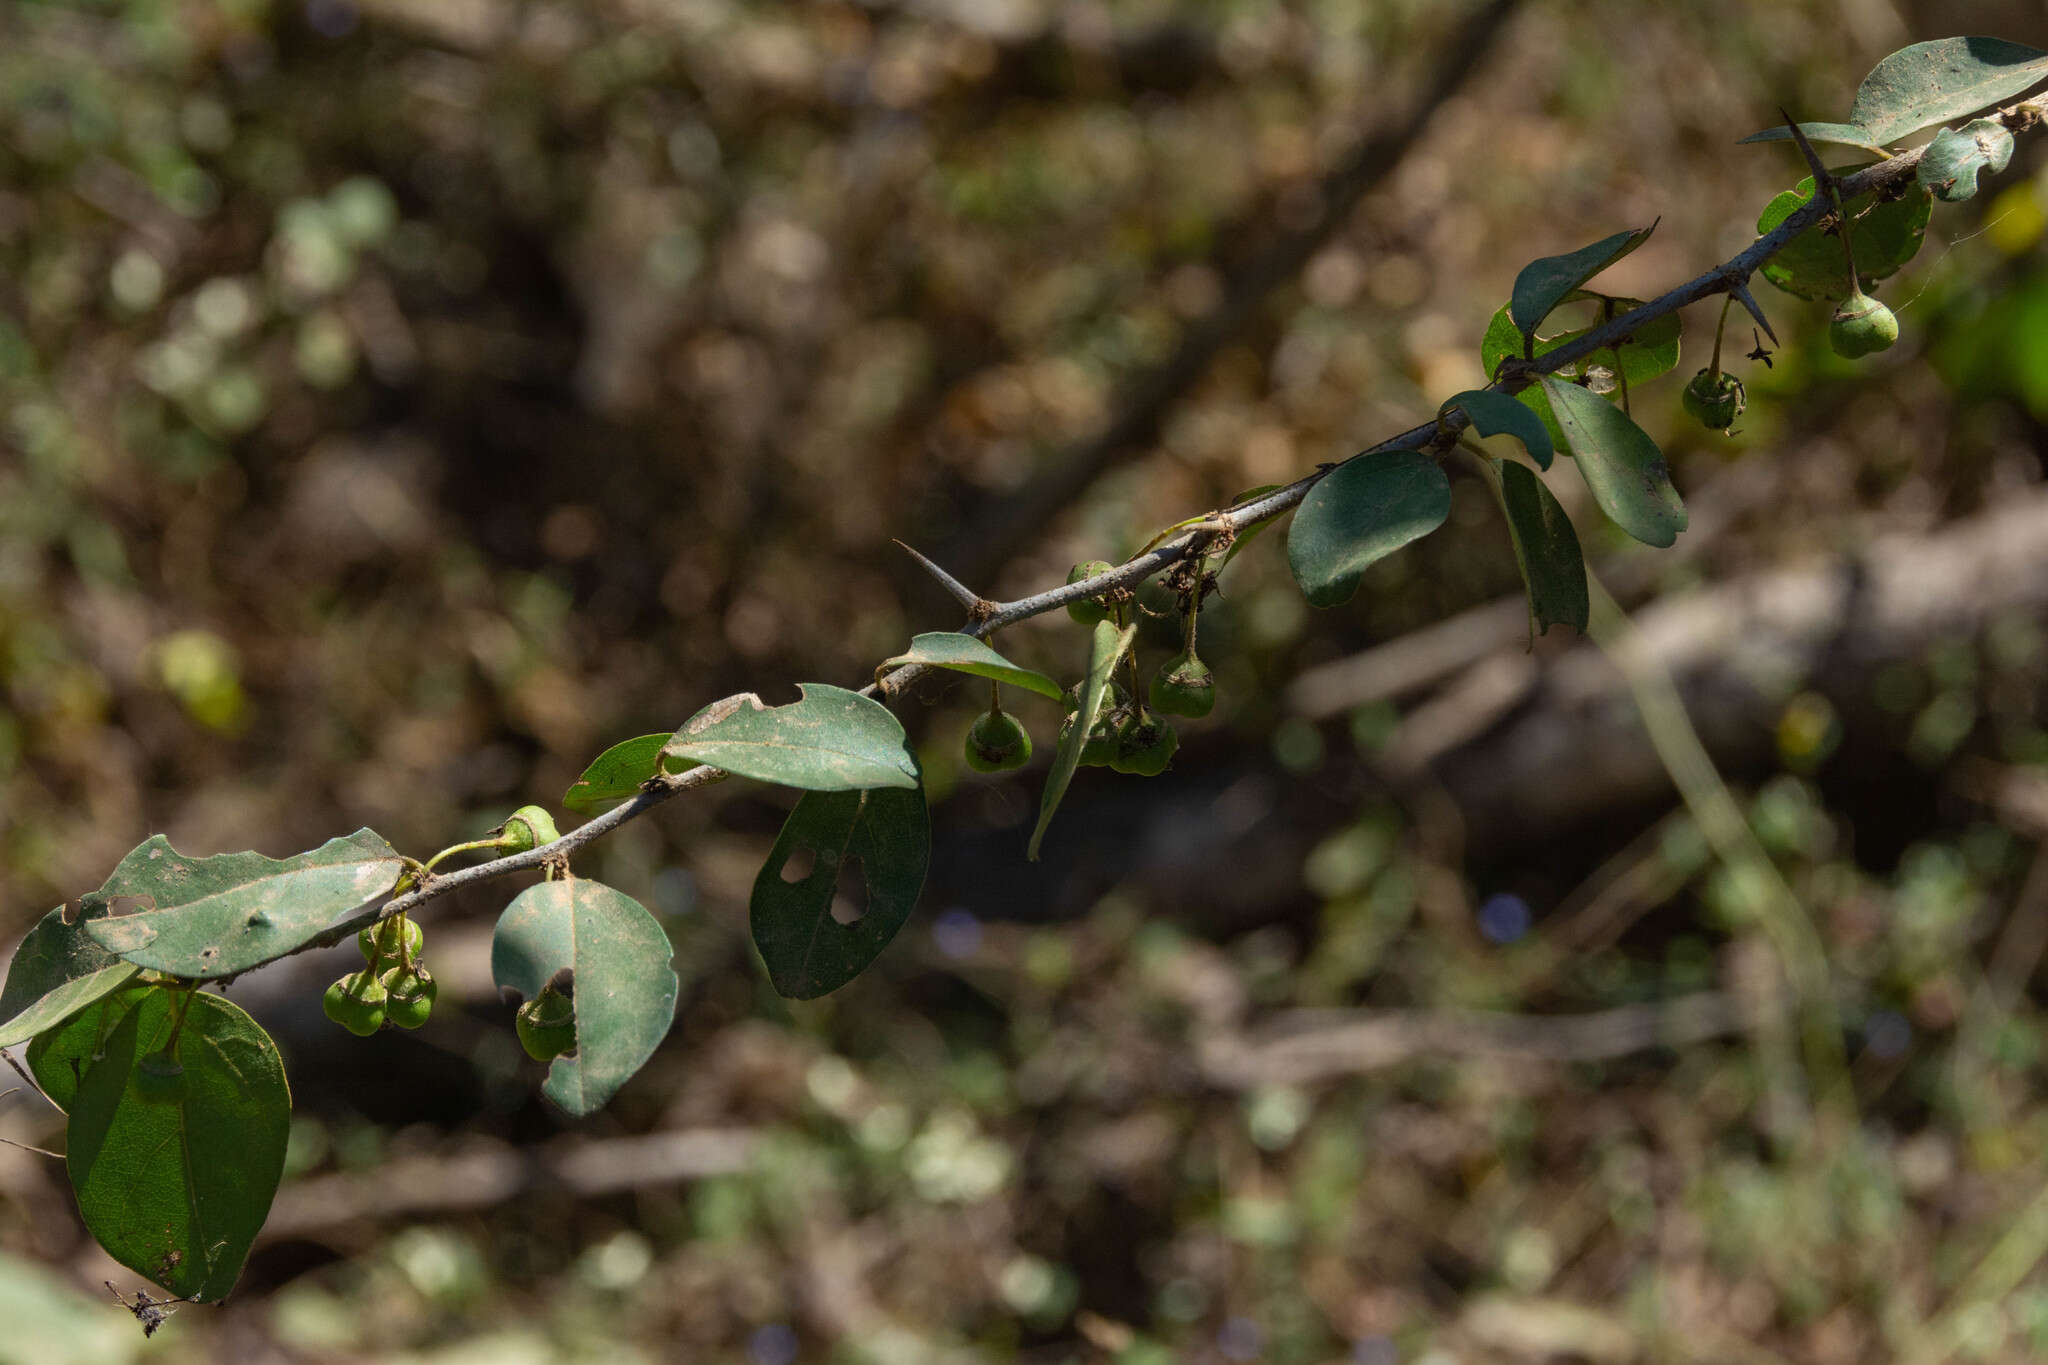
1715, 398
409, 996
1088, 610
1861, 326
1183, 686
356, 1003
997, 743
547, 1026
1145, 747
381, 942
528, 827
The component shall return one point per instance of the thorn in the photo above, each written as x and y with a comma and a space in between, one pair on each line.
962, 594
1740, 289
1821, 179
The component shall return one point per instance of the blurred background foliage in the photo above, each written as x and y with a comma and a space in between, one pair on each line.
402, 399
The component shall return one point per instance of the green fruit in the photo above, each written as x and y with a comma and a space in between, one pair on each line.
1145, 747
356, 1003
997, 743
1101, 746
160, 1079
1088, 610
526, 828
547, 1026
1861, 326
1183, 686
381, 942
1715, 398
409, 995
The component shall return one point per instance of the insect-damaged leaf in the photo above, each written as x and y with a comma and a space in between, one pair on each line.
1494, 413
1546, 548
886, 835
618, 772
1544, 284
1361, 512
832, 740
1936, 81
624, 990
965, 654
1949, 167
221, 915
57, 971
1105, 646
1813, 266
1620, 462
176, 1187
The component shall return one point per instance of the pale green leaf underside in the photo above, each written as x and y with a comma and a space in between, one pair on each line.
831, 740
1106, 645
1361, 512
1841, 134
1936, 81
886, 833
1620, 462
1949, 167
965, 654
619, 772
58, 969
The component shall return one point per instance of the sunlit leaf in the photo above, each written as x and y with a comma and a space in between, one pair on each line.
886, 835
1105, 646
1544, 284
1361, 512
1494, 413
1620, 462
831, 740
1936, 81
965, 654
618, 773
58, 969
1812, 265
1841, 134
1546, 548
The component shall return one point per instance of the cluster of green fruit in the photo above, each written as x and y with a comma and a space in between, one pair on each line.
1861, 326
395, 987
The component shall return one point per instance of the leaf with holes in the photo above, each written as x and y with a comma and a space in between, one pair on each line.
1546, 548
60, 1057
618, 773
1934, 82
1841, 134
885, 835
57, 971
1649, 353
218, 916
1361, 512
1885, 237
1545, 284
965, 654
1949, 167
177, 1186
1620, 462
1494, 413
830, 741
624, 989
1106, 645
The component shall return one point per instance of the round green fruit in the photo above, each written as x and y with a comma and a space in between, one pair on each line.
356, 1003
409, 995
160, 1079
1183, 686
389, 940
1088, 610
997, 743
1715, 398
1862, 326
547, 1026
528, 827
1145, 747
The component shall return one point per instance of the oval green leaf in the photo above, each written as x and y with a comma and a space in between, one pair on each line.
222, 915
887, 834
619, 772
1106, 645
58, 969
832, 740
1949, 167
1361, 512
1494, 413
1842, 134
624, 991
1620, 462
1544, 284
176, 1190
1546, 549
1936, 81
1812, 265
58, 1059
965, 654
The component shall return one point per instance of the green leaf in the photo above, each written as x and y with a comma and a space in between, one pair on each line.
1546, 548
1544, 284
57, 971
176, 1190
1651, 352
832, 740
1494, 413
218, 916
58, 1059
1940, 80
1620, 462
1105, 646
1949, 167
1361, 512
618, 773
1812, 265
1844, 134
887, 835
965, 654
624, 989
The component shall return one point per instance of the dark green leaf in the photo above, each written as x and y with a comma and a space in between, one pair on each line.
1949, 167
218, 916
59, 1058
619, 772
1944, 79
1106, 645
1494, 413
57, 971
1620, 462
886, 834
965, 654
1361, 512
1652, 351
1812, 265
1546, 548
176, 1190
832, 740
624, 990
1544, 284
1842, 134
